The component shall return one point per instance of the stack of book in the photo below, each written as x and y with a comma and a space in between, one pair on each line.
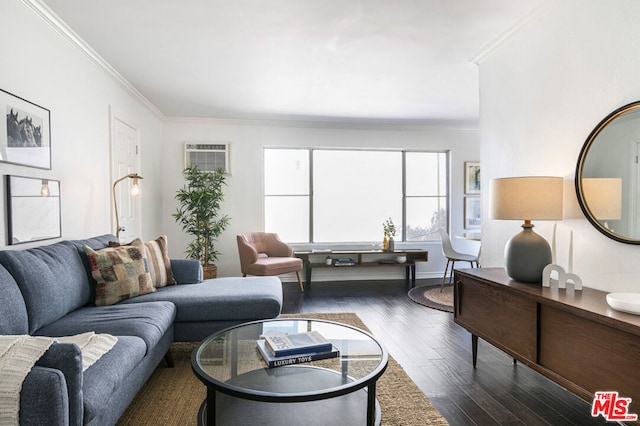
278, 348
346, 261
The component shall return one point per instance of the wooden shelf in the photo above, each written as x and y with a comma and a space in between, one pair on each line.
413, 256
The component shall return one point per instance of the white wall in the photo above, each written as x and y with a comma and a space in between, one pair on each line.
244, 193
38, 64
541, 95
41, 65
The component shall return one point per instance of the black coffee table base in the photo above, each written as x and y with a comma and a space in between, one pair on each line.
350, 409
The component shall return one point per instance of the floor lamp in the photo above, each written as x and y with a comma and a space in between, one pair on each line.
135, 191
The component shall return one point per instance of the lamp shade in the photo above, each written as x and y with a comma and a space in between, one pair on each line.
527, 198
603, 196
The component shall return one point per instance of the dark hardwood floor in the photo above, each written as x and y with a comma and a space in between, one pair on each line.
436, 353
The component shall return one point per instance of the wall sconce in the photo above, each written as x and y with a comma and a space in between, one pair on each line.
527, 198
135, 191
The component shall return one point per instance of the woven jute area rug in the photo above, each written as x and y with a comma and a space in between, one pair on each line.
433, 297
172, 396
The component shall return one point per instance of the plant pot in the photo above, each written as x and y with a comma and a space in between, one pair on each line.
209, 271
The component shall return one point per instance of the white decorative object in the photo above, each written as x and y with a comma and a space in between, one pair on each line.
401, 258
563, 277
625, 302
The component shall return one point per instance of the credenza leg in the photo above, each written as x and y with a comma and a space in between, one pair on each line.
474, 349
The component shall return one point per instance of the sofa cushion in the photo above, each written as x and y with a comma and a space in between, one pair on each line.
108, 374
186, 271
232, 298
52, 280
13, 311
149, 321
95, 243
119, 272
158, 260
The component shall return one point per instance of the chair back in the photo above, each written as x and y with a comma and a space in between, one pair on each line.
447, 247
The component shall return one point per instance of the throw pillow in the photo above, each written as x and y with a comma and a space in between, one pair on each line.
120, 273
157, 254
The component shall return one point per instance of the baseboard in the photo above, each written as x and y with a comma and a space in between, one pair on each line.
357, 276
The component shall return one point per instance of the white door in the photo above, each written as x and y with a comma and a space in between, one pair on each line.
125, 159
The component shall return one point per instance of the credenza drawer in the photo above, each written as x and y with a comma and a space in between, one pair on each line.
504, 319
592, 355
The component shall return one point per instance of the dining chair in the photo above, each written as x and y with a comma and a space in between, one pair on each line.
453, 256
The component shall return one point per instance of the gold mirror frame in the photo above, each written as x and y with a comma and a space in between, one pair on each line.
580, 190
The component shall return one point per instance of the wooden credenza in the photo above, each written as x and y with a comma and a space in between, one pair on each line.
572, 337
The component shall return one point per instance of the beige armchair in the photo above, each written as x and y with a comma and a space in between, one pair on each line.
264, 254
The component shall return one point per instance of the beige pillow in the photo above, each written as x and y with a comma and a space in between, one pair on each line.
157, 254
120, 272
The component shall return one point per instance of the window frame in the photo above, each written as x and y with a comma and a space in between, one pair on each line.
404, 152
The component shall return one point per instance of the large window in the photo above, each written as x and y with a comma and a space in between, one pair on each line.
344, 195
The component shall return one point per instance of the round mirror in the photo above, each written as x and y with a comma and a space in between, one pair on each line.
608, 175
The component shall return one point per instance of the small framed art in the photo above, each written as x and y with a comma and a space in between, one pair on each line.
25, 136
472, 212
471, 178
33, 209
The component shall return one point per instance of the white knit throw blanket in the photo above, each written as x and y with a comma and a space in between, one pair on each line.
18, 355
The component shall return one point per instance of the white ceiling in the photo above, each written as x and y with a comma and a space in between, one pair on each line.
335, 60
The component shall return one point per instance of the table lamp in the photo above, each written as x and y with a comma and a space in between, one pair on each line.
603, 197
527, 198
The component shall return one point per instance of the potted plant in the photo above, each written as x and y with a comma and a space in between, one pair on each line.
198, 214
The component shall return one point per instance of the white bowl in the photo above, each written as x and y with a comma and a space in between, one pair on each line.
401, 259
625, 302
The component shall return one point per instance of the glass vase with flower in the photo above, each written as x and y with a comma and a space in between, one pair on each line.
389, 228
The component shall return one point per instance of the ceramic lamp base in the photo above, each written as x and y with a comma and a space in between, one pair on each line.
526, 255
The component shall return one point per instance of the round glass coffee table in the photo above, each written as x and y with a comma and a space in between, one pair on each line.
243, 390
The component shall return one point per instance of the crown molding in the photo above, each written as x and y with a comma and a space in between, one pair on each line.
306, 122
47, 15
501, 40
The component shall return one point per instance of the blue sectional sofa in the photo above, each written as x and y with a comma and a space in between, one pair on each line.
48, 291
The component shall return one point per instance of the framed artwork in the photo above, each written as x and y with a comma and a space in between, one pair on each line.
25, 136
471, 178
33, 209
472, 212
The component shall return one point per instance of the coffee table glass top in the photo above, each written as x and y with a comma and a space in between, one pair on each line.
230, 362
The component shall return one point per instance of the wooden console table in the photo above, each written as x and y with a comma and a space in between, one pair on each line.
413, 257
572, 337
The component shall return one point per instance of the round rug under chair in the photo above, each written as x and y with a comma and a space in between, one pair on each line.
431, 297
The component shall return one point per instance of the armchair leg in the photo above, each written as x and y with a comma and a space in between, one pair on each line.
300, 282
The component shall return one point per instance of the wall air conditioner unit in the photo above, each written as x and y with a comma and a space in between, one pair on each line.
207, 156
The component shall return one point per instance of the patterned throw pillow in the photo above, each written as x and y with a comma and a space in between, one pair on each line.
157, 254
120, 273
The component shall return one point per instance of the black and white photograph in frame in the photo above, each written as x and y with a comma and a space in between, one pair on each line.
472, 213
25, 136
33, 209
